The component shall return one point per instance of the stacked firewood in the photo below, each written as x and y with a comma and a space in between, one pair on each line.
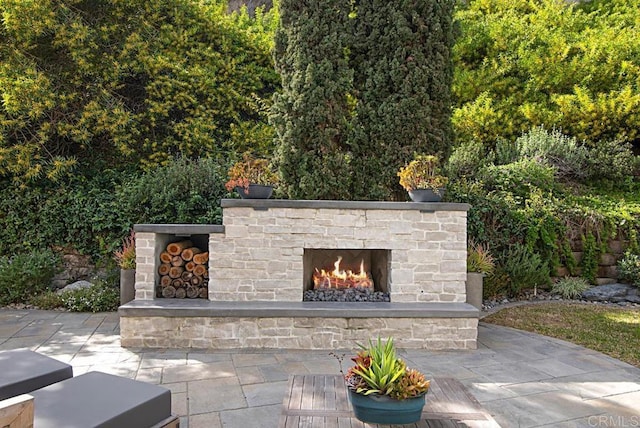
183, 271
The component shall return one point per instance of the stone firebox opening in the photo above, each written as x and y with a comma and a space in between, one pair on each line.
374, 263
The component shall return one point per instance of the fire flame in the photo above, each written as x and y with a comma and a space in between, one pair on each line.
338, 278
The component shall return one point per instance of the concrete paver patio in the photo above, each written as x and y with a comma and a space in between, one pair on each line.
522, 379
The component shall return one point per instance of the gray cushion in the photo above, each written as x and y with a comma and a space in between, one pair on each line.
98, 399
23, 371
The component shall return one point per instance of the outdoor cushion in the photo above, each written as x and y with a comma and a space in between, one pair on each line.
96, 399
23, 371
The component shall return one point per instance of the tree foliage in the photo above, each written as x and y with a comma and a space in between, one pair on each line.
365, 85
135, 80
312, 113
572, 66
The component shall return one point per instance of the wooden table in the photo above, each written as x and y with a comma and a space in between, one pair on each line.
321, 401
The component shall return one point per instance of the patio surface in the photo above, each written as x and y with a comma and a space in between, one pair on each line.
522, 379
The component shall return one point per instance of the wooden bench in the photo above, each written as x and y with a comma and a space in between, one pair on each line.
321, 401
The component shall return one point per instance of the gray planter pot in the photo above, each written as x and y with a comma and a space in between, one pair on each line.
426, 195
474, 289
127, 285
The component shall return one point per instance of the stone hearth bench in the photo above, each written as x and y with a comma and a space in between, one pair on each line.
177, 323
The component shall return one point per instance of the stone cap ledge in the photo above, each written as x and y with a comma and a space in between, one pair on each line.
265, 204
206, 308
180, 229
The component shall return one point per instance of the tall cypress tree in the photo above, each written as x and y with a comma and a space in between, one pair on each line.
365, 85
312, 113
403, 72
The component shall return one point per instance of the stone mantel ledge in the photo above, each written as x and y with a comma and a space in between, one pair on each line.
265, 204
180, 229
206, 308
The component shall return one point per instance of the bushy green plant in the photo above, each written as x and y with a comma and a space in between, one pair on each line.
185, 191
563, 153
570, 287
519, 178
467, 159
47, 300
613, 161
525, 269
629, 268
22, 276
100, 297
82, 212
521, 64
135, 81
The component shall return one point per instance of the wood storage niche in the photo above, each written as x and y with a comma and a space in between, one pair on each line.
183, 268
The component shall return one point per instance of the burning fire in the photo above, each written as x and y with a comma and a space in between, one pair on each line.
338, 278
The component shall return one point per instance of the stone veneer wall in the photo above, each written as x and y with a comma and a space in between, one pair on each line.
259, 255
296, 333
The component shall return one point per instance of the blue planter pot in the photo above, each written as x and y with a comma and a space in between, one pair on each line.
256, 191
426, 195
382, 409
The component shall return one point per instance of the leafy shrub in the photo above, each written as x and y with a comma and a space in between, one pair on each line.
520, 64
519, 178
525, 269
612, 160
467, 159
185, 191
570, 288
175, 76
629, 268
556, 150
47, 300
100, 297
81, 212
25, 275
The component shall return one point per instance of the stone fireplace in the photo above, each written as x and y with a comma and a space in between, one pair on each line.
264, 257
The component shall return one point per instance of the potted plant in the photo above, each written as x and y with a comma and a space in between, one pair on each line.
422, 179
252, 178
381, 388
126, 259
479, 263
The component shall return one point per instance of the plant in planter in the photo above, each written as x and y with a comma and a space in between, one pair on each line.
422, 179
381, 387
480, 262
252, 178
126, 259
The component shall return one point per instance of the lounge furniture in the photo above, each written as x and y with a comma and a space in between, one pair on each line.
23, 371
91, 400
97, 399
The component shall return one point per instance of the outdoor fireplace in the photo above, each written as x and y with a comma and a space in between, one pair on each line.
346, 275
265, 255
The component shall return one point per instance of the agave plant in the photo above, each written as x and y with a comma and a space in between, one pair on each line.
378, 370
